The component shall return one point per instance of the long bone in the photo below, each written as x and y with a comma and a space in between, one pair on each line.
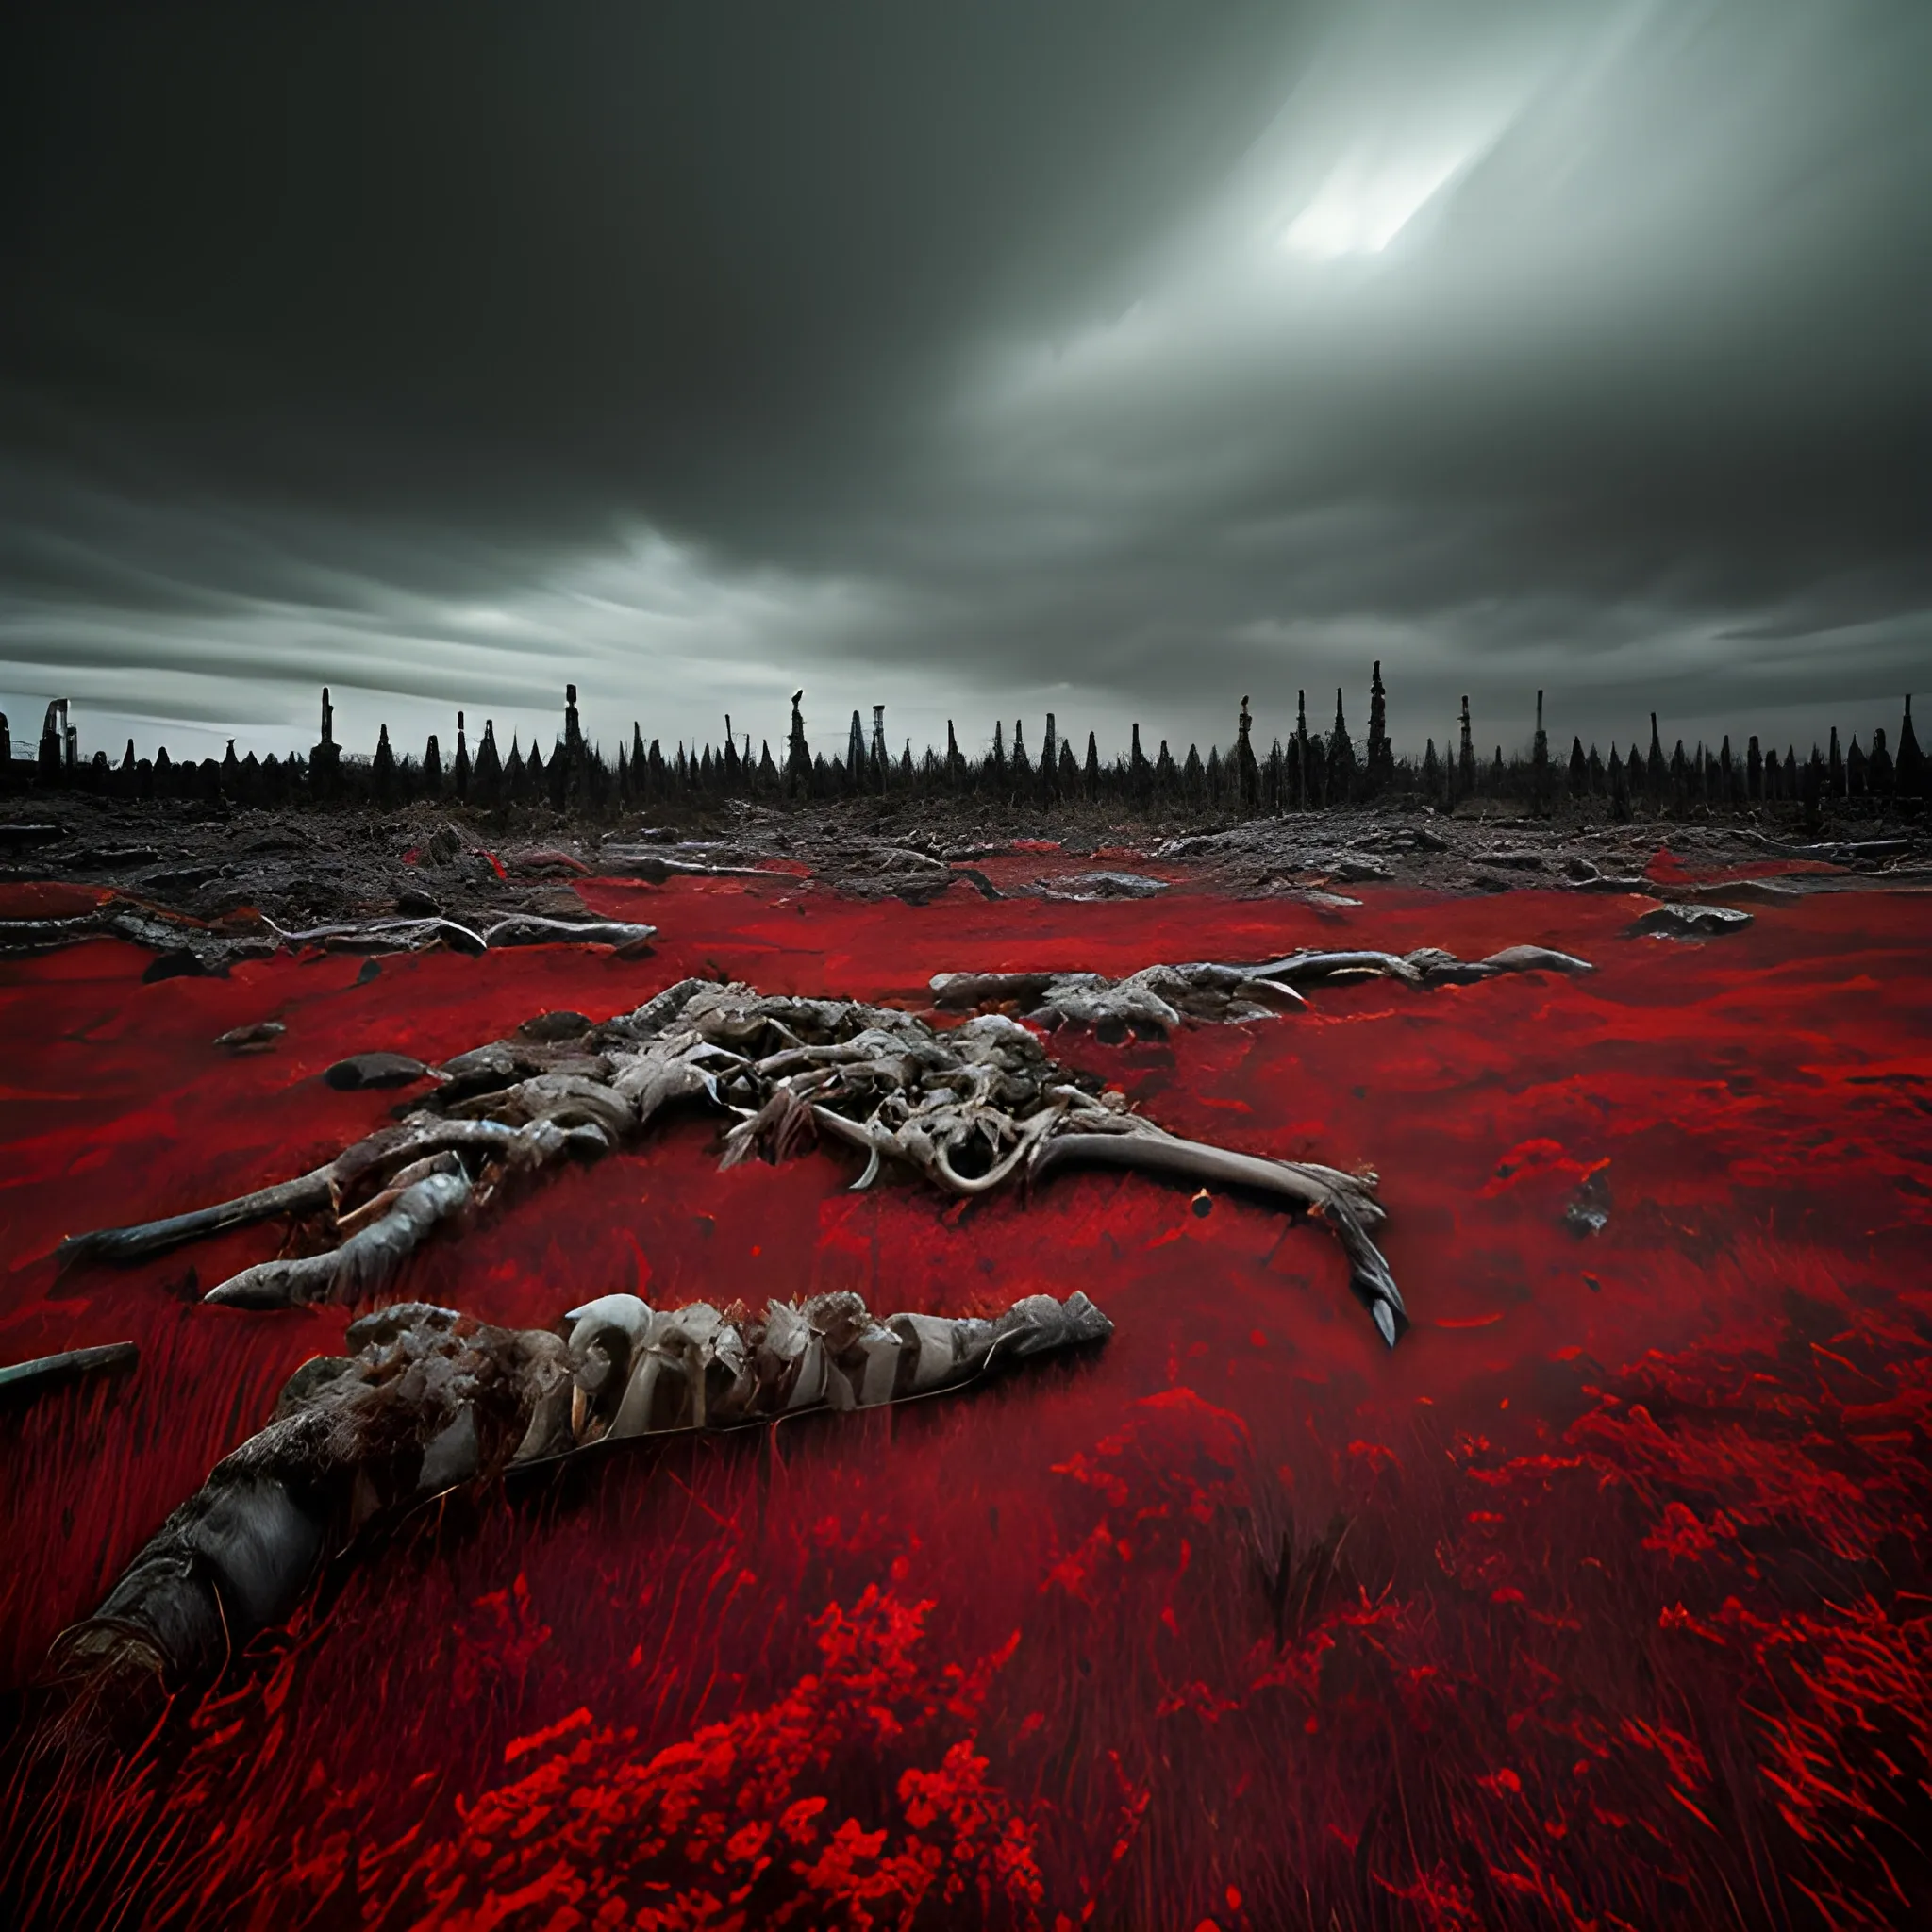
430, 1400
1344, 1201
969, 1107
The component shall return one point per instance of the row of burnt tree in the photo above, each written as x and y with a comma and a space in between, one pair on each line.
1310, 771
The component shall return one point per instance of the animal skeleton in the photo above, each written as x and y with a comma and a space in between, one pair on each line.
430, 1400
969, 1107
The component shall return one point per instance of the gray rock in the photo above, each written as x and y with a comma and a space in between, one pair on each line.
1690, 922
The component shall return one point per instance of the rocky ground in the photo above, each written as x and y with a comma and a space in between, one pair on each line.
240, 870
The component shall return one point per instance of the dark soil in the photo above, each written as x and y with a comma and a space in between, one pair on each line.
303, 867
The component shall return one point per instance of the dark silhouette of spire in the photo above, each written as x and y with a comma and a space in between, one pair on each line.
1379, 771
488, 779
1341, 771
797, 753
1247, 773
855, 756
1910, 768
326, 758
1878, 767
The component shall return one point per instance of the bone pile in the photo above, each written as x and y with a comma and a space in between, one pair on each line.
968, 1108
431, 1401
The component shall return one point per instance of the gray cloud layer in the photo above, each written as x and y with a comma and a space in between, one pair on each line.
1109, 360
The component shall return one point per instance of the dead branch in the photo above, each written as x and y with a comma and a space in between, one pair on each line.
1156, 999
967, 1107
50, 1371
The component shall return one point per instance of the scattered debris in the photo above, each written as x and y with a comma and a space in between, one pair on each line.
1108, 885
1589, 1211
1689, 922
197, 948
1154, 1001
654, 868
257, 1037
375, 1069
526, 929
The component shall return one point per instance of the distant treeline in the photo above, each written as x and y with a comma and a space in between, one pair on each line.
1309, 771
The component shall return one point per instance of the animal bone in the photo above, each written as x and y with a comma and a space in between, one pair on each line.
430, 1400
1156, 999
969, 1107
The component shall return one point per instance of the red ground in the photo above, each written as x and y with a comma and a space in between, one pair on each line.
1629, 1622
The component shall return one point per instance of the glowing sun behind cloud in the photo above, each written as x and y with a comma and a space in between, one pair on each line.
1361, 206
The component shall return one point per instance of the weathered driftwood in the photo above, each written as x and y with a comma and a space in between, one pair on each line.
214, 951
50, 1371
1156, 999
431, 1401
969, 1107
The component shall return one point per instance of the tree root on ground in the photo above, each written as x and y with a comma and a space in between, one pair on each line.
969, 1107
1156, 999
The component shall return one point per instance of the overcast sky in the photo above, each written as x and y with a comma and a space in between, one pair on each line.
1109, 359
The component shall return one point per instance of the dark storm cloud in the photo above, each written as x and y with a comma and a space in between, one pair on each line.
1111, 360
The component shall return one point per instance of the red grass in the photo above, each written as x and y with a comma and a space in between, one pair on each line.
1629, 1619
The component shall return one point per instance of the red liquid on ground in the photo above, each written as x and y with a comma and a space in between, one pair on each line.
1628, 1622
